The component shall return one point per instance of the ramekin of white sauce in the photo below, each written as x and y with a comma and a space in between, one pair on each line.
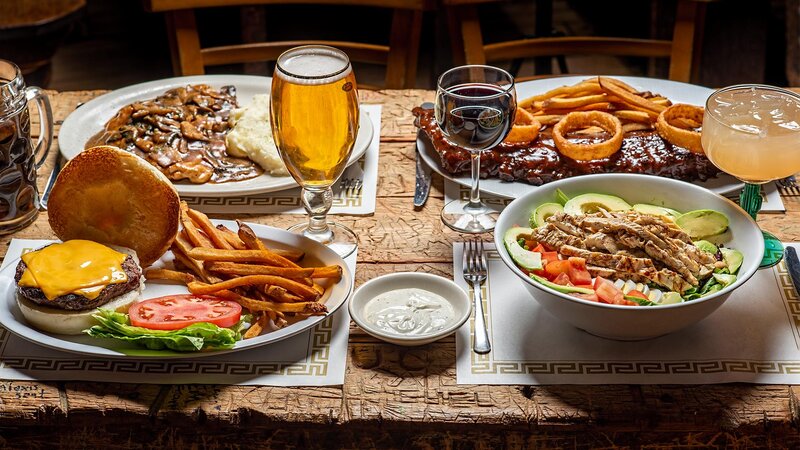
409, 308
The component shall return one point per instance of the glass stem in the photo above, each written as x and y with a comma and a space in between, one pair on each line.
474, 191
750, 199
317, 203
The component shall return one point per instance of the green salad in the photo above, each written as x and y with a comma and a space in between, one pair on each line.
600, 248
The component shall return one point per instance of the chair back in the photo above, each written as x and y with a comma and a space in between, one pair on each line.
681, 50
399, 57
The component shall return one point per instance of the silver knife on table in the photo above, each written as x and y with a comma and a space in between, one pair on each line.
793, 264
422, 185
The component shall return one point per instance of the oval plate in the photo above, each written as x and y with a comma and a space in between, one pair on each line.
86, 121
675, 91
316, 254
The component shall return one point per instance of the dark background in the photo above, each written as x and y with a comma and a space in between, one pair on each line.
111, 44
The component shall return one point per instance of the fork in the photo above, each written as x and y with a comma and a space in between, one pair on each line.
788, 186
474, 267
351, 187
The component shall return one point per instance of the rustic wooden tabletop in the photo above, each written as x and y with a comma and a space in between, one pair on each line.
395, 396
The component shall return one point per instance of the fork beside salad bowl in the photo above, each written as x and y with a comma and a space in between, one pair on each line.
639, 299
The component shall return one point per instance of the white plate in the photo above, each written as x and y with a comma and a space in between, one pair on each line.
675, 91
90, 118
316, 254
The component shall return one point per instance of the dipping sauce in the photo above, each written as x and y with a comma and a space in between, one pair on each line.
409, 312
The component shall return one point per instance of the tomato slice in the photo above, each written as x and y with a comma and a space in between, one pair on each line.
578, 274
638, 294
562, 279
554, 268
549, 256
608, 293
174, 312
590, 297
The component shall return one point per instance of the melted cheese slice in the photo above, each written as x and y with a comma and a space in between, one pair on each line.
73, 267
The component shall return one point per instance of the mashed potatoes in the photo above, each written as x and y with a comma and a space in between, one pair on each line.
251, 136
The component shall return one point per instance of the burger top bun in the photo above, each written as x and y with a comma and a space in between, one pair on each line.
111, 196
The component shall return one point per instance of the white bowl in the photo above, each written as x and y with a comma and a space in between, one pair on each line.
404, 280
634, 322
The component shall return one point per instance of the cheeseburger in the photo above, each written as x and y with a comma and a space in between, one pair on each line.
115, 214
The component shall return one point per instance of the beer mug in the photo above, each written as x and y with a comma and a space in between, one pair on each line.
19, 197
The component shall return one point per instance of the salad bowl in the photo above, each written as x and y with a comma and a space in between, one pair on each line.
618, 321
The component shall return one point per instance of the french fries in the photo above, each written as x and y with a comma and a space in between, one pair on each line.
236, 265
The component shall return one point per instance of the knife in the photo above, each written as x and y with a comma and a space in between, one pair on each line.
51, 181
422, 186
793, 264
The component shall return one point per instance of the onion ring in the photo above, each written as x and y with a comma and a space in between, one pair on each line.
525, 128
675, 135
585, 152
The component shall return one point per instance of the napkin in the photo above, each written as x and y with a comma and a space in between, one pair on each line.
315, 357
288, 201
753, 337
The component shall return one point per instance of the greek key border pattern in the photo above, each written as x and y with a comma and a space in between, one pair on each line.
275, 199
316, 365
485, 364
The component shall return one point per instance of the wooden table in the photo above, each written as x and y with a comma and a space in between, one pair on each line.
393, 396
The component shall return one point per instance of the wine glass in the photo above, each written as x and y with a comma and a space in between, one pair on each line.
752, 132
314, 115
475, 107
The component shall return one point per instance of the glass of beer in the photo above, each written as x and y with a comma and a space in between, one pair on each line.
752, 132
314, 113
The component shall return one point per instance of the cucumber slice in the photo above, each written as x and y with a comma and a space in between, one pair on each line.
543, 211
590, 203
525, 258
702, 223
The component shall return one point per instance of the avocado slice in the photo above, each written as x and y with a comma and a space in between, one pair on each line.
733, 258
706, 246
702, 223
527, 259
670, 298
561, 288
590, 203
543, 211
724, 278
654, 210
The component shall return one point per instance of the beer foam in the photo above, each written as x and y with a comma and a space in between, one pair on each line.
313, 65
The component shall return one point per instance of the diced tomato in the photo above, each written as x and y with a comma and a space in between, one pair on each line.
174, 312
577, 272
532, 245
607, 292
554, 268
549, 256
639, 294
539, 248
590, 297
562, 279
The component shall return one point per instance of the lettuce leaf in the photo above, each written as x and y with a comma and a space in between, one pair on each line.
195, 337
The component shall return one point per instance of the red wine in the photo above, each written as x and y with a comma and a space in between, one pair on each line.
475, 116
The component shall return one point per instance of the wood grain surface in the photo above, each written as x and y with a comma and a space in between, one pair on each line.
395, 397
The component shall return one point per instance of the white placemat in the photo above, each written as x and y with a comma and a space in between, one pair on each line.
772, 202
315, 357
753, 337
360, 202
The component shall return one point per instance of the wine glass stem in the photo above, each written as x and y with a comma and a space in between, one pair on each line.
317, 203
474, 192
750, 199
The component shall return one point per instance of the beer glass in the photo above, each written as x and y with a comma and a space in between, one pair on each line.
19, 197
314, 114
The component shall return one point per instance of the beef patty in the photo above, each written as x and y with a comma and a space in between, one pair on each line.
74, 302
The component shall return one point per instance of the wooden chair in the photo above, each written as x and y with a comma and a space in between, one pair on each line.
400, 56
469, 48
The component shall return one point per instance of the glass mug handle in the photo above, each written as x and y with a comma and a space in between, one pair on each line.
45, 122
